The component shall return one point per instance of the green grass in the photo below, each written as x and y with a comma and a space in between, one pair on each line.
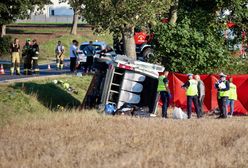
47, 49
46, 23
36, 30
39, 97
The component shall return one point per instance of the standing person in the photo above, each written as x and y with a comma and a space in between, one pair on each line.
218, 93
191, 92
201, 93
89, 51
59, 51
15, 57
164, 91
73, 55
35, 56
232, 93
223, 86
27, 58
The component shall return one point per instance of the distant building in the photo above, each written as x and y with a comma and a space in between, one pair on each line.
58, 9
53, 13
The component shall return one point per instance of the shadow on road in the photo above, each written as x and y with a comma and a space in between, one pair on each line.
49, 95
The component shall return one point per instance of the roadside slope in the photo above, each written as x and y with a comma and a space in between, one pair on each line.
40, 96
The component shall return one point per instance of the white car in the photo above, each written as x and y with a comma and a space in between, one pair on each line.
82, 58
99, 46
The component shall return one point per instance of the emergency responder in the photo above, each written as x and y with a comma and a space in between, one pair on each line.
35, 56
15, 57
164, 91
89, 51
73, 55
59, 52
201, 93
26, 56
232, 96
191, 92
222, 86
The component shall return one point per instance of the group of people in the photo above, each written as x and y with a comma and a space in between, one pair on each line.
30, 54
89, 51
195, 92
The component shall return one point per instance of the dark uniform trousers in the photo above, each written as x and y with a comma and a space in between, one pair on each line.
223, 107
193, 99
165, 100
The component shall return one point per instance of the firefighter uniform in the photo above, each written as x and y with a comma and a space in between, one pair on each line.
223, 86
35, 57
59, 51
192, 93
164, 94
15, 58
26, 56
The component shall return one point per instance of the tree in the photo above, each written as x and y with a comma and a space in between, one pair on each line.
173, 12
12, 10
77, 6
195, 42
122, 16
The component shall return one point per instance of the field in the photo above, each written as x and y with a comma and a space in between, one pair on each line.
34, 133
88, 139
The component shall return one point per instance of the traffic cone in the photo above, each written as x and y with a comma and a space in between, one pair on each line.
2, 70
49, 67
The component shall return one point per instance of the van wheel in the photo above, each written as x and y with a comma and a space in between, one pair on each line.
148, 53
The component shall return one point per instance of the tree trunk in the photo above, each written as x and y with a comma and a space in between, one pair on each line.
173, 12
3, 30
129, 43
74, 23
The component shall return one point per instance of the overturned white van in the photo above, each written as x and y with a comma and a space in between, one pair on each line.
124, 81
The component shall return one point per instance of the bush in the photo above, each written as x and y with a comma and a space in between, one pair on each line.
187, 49
4, 45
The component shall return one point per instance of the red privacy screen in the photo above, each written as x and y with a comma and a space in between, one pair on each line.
210, 102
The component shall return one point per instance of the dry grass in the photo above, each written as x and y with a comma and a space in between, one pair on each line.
88, 139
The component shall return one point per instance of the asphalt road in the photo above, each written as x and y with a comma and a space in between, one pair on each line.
44, 71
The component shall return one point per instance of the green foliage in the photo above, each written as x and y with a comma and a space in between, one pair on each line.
185, 49
18, 9
239, 12
4, 45
196, 43
114, 15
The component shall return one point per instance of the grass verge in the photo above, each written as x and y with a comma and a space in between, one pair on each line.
40, 96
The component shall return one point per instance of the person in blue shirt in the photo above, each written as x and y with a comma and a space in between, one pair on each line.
89, 51
73, 55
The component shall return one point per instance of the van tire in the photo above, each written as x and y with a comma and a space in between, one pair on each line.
147, 54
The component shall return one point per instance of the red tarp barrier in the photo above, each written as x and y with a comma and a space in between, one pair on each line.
179, 98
